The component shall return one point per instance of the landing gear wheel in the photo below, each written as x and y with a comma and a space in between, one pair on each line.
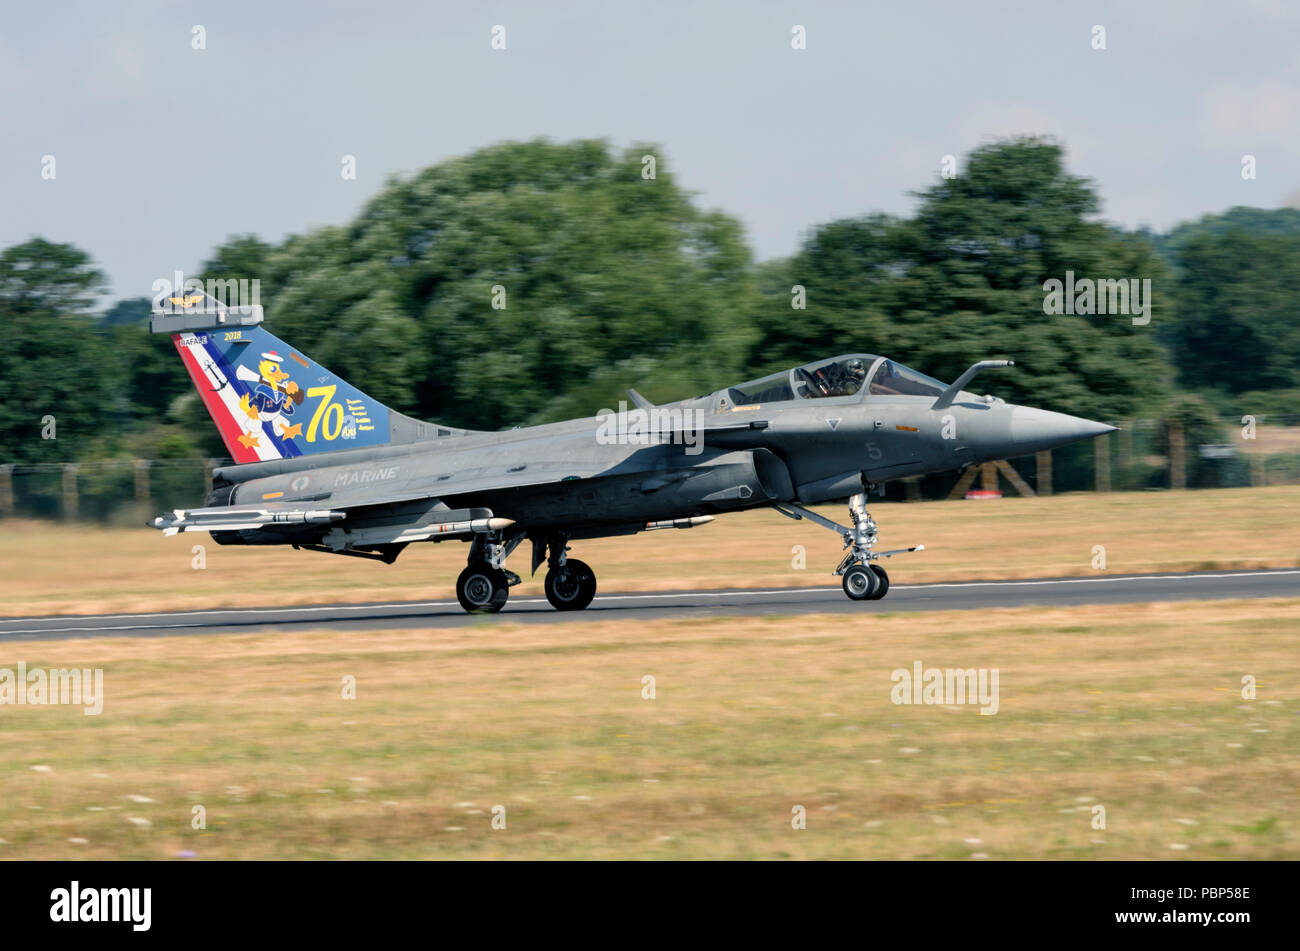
571, 586
482, 589
883, 588
860, 582
863, 579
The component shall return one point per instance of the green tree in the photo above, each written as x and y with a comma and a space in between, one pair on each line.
1253, 221
244, 257
600, 279
963, 280
54, 362
150, 373
129, 312
1238, 325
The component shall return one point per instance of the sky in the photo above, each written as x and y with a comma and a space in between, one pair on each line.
162, 151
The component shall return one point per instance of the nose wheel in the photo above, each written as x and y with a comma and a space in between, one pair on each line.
865, 582
862, 579
860, 583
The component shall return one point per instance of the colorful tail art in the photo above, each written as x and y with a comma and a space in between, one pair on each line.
271, 402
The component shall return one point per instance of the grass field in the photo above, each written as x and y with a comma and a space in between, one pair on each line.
46, 569
1136, 708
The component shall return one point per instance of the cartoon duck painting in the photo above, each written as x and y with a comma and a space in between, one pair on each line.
272, 400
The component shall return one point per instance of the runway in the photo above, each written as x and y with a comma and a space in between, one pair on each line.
647, 606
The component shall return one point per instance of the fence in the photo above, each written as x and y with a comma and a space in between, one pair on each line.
109, 490
1143, 454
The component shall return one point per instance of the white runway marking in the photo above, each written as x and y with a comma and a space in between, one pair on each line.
1103, 578
336, 609
118, 627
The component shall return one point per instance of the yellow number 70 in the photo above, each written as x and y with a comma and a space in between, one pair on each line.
330, 414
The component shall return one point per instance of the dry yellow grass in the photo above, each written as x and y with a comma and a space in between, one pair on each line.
1136, 708
48, 569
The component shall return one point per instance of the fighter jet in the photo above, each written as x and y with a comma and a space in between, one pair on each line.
322, 467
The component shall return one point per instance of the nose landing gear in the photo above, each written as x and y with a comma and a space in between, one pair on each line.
863, 580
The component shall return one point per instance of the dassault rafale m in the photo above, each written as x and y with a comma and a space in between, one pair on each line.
322, 467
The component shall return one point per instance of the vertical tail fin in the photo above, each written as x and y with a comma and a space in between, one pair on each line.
268, 400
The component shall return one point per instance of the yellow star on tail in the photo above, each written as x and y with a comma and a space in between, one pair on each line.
291, 431
249, 441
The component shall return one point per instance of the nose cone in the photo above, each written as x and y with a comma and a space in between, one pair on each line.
1034, 430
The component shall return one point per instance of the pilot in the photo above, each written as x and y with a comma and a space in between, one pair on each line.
843, 379
857, 373
840, 380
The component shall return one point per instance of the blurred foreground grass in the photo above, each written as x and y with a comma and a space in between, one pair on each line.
1137, 708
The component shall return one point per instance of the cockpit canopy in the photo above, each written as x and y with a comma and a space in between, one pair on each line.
838, 376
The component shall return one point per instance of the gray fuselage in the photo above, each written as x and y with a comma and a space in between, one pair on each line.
704, 456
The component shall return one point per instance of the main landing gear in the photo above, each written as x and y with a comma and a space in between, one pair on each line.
484, 586
482, 589
570, 584
863, 580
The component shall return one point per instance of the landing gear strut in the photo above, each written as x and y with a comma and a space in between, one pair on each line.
485, 584
863, 580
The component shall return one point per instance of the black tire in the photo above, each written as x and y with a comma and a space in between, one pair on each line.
860, 583
482, 589
572, 587
883, 588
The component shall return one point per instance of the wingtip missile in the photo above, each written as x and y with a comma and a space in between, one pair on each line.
233, 519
